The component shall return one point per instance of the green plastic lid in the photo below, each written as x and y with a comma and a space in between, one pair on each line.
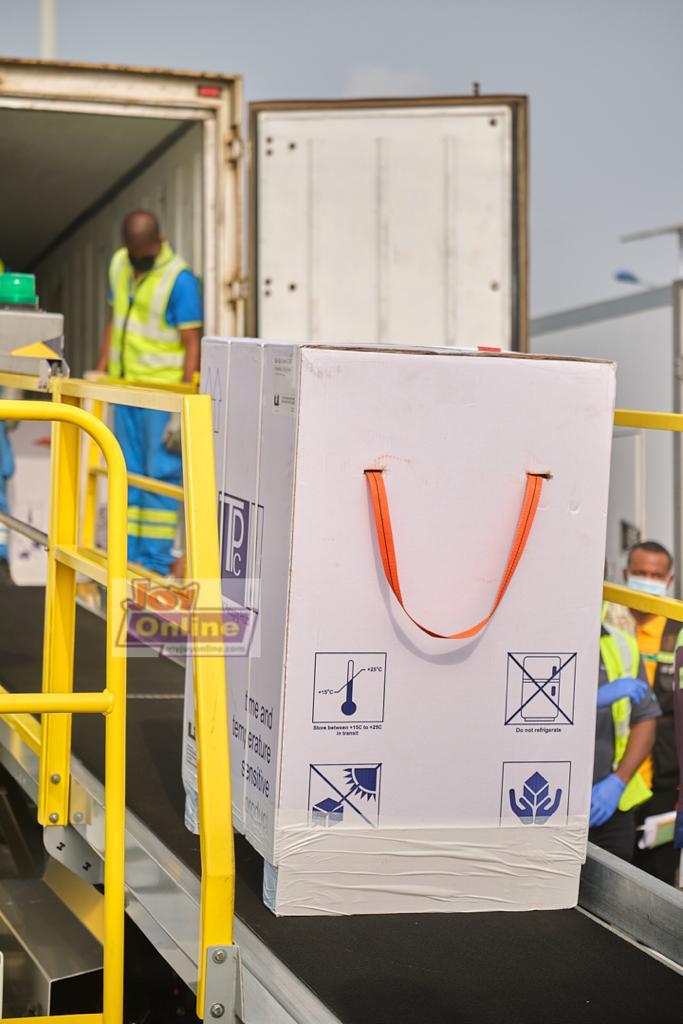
18, 290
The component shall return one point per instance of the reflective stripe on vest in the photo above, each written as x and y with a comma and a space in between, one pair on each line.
660, 658
148, 331
621, 657
158, 523
143, 346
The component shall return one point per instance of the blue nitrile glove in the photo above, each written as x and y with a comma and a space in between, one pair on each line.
678, 830
605, 799
636, 689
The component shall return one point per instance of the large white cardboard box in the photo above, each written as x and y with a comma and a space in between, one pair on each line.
378, 768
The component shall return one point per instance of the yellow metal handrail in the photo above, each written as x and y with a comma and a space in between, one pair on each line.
672, 421
108, 391
145, 483
103, 391
66, 557
614, 592
58, 696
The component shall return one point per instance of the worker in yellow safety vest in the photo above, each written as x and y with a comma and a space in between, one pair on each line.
624, 735
650, 570
153, 337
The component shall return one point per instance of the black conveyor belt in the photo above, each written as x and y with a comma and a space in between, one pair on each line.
504, 968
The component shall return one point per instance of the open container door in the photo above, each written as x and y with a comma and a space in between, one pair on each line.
401, 221
82, 145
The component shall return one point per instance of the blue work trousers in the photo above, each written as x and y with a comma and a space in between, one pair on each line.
152, 518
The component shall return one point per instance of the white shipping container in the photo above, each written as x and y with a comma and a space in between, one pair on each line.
390, 221
377, 769
82, 145
400, 220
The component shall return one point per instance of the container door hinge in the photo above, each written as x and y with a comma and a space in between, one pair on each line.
223, 991
236, 289
234, 148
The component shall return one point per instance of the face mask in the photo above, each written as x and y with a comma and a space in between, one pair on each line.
141, 263
657, 588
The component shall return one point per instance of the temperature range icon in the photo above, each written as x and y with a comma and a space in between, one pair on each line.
349, 707
349, 687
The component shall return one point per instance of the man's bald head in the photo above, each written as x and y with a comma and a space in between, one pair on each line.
142, 238
140, 227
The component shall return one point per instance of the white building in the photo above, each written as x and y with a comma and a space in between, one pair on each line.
638, 332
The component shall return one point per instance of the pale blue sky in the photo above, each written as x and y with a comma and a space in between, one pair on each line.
605, 80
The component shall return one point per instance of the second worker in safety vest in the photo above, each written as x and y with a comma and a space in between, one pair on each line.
153, 338
624, 735
650, 569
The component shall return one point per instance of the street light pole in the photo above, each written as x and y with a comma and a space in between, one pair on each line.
672, 229
48, 29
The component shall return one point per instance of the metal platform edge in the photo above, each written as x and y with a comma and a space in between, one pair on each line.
162, 898
646, 910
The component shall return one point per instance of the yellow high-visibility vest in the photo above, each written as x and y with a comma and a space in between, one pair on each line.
621, 657
143, 346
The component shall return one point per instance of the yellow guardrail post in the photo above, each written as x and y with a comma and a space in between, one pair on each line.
60, 623
211, 716
115, 734
112, 701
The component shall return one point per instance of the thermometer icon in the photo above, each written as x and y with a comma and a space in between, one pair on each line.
349, 707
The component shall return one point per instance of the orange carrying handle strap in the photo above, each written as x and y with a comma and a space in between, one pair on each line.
385, 539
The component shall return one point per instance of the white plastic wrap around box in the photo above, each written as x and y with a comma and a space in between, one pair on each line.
376, 768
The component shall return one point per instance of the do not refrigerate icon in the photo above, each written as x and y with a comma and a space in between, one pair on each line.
540, 688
